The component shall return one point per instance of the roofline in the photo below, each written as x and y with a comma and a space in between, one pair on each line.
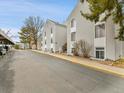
57, 23
49, 20
7, 37
72, 11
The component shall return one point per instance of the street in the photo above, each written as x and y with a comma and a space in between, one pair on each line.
29, 72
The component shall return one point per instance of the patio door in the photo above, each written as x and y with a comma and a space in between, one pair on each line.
100, 52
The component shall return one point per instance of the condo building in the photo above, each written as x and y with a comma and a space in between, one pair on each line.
100, 35
54, 36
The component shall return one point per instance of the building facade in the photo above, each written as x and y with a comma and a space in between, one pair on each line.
100, 36
54, 36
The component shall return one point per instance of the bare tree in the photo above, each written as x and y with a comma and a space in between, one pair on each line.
64, 48
76, 49
34, 24
85, 48
81, 47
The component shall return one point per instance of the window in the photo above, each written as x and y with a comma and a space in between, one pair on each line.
45, 33
72, 50
100, 53
52, 50
45, 42
51, 30
73, 36
45, 49
123, 9
73, 23
100, 31
51, 40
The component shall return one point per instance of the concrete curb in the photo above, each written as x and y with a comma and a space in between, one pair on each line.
103, 68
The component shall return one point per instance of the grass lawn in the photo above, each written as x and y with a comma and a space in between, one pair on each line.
119, 63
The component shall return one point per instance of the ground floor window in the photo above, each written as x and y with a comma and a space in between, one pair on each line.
72, 50
45, 42
45, 49
73, 36
100, 53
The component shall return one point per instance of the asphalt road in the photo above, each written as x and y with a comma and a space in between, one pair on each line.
30, 72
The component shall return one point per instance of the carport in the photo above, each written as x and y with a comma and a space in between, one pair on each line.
4, 39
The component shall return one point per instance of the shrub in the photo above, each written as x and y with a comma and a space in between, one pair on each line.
76, 49
16, 46
64, 48
85, 48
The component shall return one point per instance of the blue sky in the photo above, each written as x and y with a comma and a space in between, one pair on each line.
14, 12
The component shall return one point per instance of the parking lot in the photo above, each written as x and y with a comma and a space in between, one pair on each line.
28, 72
6, 74
5, 43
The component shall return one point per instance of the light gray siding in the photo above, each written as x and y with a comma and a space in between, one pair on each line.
84, 28
58, 36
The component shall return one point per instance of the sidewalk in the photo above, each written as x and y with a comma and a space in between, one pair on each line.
88, 63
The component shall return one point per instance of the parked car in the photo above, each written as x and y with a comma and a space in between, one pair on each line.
7, 48
2, 50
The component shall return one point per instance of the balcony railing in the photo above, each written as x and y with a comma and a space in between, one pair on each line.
100, 42
73, 29
51, 35
73, 44
52, 45
45, 46
45, 37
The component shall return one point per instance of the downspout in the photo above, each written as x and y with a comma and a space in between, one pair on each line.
121, 49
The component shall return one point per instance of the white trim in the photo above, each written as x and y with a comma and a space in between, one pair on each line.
93, 58
100, 50
51, 35
99, 23
105, 50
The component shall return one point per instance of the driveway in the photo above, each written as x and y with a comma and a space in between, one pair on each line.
30, 72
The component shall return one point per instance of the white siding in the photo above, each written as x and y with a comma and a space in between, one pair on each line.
61, 36
84, 28
58, 37
110, 40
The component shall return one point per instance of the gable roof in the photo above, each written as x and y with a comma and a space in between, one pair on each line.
73, 11
5, 37
56, 23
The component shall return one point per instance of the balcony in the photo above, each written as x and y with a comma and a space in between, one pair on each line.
72, 44
100, 35
45, 46
100, 42
73, 29
51, 35
45, 37
51, 45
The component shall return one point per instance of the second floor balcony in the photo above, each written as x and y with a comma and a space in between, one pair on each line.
51, 45
73, 25
73, 44
100, 42
52, 35
45, 37
73, 29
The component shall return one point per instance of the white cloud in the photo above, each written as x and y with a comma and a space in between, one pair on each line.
14, 12
8, 7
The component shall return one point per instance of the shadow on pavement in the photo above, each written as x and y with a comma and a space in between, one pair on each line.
6, 74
